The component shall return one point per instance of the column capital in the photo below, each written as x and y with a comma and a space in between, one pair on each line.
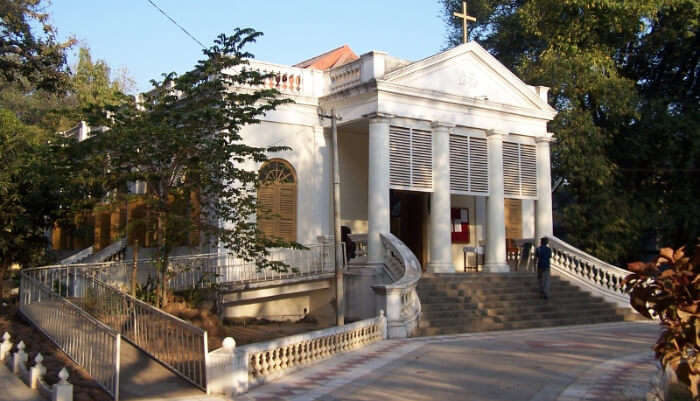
439, 125
546, 138
493, 134
379, 118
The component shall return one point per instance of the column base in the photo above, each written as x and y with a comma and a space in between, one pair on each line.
497, 268
438, 267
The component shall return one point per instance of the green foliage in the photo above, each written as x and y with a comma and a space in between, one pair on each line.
183, 140
24, 54
624, 79
148, 292
669, 289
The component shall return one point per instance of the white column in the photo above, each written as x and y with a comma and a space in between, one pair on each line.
528, 218
440, 238
543, 212
495, 215
378, 186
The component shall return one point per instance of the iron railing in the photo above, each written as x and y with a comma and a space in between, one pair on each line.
175, 343
201, 271
90, 343
178, 345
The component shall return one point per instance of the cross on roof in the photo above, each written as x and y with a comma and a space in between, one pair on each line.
465, 18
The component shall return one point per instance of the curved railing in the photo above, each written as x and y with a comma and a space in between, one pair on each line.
399, 299
589, 273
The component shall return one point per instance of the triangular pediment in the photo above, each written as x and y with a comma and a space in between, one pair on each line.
469, 71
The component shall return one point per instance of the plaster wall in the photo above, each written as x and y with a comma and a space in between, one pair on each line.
475, 228
309, 157
353, 159
283, 302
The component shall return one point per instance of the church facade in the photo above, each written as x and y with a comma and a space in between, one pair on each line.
450, 153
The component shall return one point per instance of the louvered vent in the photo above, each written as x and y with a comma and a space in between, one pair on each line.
411, 159
468, 165
519, 170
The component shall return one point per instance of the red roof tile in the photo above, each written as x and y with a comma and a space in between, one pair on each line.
330, 59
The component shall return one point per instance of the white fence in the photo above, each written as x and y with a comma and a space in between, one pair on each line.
233, 370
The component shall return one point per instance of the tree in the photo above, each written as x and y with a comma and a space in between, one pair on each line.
92, 85
24, 54
42, 179
183, 140
606, 62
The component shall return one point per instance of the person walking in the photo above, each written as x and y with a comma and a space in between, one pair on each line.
543, 253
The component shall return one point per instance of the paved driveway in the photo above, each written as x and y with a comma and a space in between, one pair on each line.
605, 362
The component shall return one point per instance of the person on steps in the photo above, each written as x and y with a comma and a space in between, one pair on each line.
543, 254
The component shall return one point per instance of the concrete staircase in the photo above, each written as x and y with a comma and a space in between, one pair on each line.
463, 303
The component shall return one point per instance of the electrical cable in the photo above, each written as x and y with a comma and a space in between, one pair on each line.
178, 25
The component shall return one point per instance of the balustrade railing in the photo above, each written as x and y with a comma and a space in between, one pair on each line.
236, 369
589, 273
346, 75
400, 298
87, 341
287, 80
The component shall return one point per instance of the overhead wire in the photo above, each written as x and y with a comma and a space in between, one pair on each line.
176, 24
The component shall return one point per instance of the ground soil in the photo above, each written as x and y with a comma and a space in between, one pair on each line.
12, 322
244, 331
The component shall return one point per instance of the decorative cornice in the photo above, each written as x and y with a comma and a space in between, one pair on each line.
390, 87
439, 125
379, 118
546, 138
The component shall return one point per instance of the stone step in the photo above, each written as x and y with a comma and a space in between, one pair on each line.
492, 326
460, 303
507, 299
512, 318
481, 310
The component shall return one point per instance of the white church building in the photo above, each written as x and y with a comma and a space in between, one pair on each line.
447, 153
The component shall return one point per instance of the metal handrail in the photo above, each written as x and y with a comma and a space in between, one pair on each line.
87, 341
177, 344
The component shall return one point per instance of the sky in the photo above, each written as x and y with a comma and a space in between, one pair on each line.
134, 35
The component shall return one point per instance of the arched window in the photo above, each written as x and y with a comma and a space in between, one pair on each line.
277, 200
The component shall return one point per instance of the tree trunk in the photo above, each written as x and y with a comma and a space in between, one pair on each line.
163, 250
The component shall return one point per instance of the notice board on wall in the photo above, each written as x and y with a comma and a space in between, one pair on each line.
460, 225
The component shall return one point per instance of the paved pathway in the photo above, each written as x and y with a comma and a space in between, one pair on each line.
14, 389
606, 362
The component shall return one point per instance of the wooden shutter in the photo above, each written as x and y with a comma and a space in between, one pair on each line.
277, 201
519, 170
288, 211
469, 173
410, 159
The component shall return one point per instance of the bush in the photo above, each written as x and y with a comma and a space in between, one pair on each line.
668, 288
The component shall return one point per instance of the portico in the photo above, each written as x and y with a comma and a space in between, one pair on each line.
455, 126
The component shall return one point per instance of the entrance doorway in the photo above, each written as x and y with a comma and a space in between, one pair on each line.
408, 211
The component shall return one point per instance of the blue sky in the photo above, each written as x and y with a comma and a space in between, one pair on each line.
133, 34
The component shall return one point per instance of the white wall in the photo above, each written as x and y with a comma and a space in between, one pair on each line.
309, 158
469, 202
353, 153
